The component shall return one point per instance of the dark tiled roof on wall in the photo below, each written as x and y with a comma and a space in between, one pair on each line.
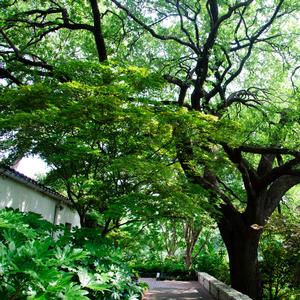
33, 184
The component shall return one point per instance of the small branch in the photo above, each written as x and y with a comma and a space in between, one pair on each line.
292, 78
229, 189
183, 29
21, 58
152, 31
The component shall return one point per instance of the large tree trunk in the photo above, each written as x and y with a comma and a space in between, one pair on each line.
241, 240
244, 272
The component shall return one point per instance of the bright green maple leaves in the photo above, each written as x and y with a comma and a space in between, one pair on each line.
105, 139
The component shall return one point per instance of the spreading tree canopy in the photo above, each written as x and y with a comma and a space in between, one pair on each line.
219, 103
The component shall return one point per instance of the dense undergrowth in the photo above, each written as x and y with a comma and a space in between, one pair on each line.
72, 265
41, 261
213, 263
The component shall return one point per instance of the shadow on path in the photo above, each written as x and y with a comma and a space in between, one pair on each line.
173, 290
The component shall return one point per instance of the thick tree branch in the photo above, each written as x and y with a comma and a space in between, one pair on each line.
248, 174
203, 61
277, 190
208, 181
269, 150
275, 173
216, 22
265, 164
5, 74
183, 86
97, 31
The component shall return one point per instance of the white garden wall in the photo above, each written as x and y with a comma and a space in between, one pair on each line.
17, 194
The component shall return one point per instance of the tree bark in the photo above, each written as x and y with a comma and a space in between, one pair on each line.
191, 236
241, 241
98, 34
188, 259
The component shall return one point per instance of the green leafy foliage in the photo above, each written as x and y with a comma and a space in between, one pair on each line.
33, 265
281, 256
214, 262
117, 147
170, 269
122, 142
161, 247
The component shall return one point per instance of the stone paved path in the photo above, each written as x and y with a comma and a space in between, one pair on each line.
173, 290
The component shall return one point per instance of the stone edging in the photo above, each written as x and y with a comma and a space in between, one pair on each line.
218, 289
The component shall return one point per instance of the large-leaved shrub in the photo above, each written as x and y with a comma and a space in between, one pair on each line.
72, 265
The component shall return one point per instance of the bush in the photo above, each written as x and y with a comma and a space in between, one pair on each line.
35, 266
280, 257
214, 263
170, 269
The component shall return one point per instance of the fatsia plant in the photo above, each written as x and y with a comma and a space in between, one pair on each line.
35, 266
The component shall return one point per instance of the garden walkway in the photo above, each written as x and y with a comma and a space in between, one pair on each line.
173, 290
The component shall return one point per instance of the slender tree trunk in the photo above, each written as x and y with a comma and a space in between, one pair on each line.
191, 235
82, 218
170, 239
188, 259
242, 246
